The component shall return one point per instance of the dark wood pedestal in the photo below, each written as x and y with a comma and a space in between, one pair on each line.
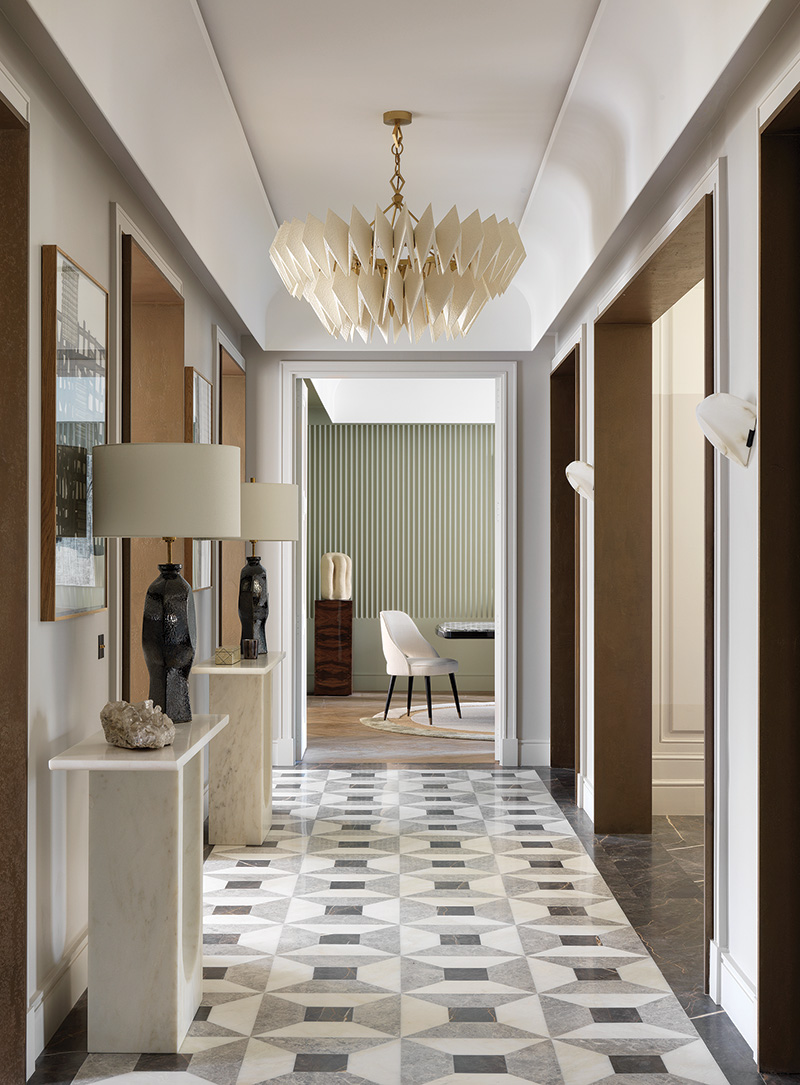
333, 647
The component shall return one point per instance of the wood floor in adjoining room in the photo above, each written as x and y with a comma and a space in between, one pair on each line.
336, 735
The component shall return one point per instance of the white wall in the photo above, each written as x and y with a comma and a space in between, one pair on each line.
73, 187
175, 129
650, 75
733, 142
678, 558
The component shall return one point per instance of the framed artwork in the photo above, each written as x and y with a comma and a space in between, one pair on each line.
199, 428
74, 420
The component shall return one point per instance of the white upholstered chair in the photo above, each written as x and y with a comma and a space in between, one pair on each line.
408, 653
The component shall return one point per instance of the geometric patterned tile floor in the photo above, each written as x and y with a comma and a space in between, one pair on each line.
418, 927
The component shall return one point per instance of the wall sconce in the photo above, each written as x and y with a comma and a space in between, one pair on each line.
730, 425
580, 476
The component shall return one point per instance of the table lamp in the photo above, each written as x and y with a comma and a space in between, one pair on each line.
271, 513
170, 491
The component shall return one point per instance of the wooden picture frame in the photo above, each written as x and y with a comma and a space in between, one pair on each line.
198, 406
74, 420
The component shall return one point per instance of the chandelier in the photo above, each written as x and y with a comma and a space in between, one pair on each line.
398, 271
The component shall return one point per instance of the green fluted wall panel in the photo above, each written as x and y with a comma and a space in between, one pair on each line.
413, 506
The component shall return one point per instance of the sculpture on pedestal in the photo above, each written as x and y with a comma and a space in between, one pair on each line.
336, 576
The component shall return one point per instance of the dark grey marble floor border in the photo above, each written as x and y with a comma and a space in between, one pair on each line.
657, 887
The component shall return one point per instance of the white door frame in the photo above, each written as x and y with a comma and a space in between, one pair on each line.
504, 373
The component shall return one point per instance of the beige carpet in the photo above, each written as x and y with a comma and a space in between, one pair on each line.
477, 721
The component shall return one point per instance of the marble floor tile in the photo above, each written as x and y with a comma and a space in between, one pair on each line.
405, 926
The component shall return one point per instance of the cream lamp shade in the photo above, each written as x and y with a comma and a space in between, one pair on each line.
580, 476
162, 490
270, 511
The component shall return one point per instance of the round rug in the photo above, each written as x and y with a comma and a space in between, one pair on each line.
477, 721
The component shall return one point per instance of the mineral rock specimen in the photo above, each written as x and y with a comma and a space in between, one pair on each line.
141, 726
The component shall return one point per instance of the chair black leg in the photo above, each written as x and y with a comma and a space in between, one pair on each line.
428, 698
410, 687
455, 693
389, 695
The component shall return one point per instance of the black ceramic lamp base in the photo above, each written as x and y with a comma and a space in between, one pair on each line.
254, 603
169, 635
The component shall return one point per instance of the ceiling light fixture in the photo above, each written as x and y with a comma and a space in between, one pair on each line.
399, 271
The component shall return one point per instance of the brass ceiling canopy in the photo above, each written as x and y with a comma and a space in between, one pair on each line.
398, 271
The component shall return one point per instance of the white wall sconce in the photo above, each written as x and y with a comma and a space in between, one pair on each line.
580, 476
730, 425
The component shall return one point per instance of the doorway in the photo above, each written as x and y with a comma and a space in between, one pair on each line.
401, 479
564, 566
152, 387
506, 747
779, 595
14, 270
623, 538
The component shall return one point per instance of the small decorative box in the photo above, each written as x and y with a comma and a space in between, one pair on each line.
227, 655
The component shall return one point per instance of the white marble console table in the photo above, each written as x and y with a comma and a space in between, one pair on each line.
145, 887
240, 761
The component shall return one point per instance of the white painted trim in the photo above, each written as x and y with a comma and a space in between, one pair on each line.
14, 95
220, 339
678, 757
293, 685
283, 751
707, 185
533, 753
125, 224
510, 753
49, 1004
782, 90
681, 797
585, 795
721, 878
572, 342
731, 988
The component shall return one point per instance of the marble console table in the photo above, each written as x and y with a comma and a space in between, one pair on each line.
145, 887
240, 761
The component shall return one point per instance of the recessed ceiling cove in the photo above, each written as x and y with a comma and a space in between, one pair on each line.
311, 79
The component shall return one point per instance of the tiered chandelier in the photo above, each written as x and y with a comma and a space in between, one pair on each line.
399, 271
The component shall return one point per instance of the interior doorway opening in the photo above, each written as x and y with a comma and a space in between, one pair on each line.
502, 744
635, 489
400, 483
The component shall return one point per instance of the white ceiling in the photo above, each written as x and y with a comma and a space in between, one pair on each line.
485, 82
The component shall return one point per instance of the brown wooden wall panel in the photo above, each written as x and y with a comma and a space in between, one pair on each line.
333, 647
623, 578
152, 410
233, 416
14, 266
670, 273
563, 554
779, 607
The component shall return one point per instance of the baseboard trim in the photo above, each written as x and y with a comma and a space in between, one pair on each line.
509, 753
534, 752
283, 751
682, 797
49, 1005
585, 796
731, 989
